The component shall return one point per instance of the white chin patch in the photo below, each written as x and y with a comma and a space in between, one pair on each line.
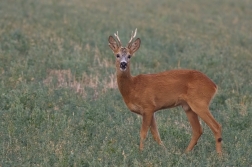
123, 69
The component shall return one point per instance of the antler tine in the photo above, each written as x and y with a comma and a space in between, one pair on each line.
133, 35
117, 37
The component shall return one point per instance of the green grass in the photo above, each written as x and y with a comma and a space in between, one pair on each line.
59, 103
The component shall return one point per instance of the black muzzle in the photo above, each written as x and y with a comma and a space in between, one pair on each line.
123, 65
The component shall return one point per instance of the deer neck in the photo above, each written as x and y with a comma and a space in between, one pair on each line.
124, 81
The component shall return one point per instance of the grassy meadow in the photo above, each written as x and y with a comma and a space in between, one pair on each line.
59, 102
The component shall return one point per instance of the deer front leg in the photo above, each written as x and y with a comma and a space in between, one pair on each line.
154, 130
147, 117
155, 133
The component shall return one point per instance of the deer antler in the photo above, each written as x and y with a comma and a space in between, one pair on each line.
133, 35
118, 39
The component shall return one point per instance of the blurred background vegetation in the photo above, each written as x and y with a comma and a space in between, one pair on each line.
59, 103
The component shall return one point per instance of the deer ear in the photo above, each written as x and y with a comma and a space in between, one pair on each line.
113, 44
134, 46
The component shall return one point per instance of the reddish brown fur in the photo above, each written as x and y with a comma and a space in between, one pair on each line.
147, 93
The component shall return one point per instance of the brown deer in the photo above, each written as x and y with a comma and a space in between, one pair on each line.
145, 94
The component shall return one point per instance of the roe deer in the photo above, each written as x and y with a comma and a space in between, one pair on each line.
145, 94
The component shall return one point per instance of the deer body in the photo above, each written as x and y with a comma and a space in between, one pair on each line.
171, 89
147, 93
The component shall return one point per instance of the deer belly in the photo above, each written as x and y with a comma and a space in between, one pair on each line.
134, 108
164, 103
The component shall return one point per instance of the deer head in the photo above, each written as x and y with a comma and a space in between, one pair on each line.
123, 54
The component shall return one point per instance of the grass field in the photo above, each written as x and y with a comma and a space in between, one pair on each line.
59, 102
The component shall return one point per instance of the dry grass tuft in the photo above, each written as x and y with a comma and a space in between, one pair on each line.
65, 79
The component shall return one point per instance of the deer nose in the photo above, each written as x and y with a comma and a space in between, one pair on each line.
123, 65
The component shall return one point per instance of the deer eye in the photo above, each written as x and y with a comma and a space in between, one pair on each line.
129, 56
117, 55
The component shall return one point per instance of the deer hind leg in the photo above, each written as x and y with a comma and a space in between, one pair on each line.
196, 127
203, 112
146, 123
